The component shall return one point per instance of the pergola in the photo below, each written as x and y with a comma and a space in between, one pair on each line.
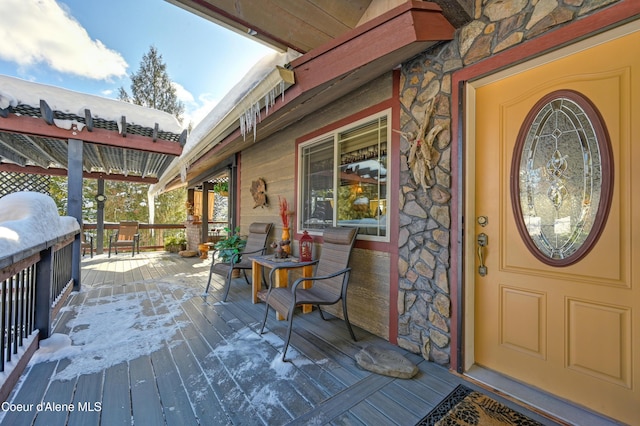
52, 131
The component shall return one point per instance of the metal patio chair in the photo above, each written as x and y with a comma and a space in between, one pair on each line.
125, 236
329, 282
256, 244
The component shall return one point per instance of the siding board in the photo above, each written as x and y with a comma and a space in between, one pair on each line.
274, 160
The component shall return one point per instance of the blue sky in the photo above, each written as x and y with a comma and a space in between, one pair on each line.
92, 46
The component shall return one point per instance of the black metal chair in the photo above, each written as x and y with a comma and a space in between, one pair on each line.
330, 281
256, 244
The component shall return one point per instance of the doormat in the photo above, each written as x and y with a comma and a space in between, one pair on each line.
464, 406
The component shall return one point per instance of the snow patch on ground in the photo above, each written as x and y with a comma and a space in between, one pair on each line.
96, 342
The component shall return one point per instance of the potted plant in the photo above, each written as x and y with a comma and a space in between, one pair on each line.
175, 243
221, 188
231, 245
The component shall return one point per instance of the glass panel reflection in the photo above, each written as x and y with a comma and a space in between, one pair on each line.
560, 178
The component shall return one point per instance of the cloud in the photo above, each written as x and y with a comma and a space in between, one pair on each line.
183, 94
195, 111
37, 32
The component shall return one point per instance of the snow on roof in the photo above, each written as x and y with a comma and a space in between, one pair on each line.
241, 98
28, 219
14, 92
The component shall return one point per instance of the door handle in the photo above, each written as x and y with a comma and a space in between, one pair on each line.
483, 241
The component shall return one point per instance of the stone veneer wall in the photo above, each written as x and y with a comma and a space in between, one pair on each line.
424, 304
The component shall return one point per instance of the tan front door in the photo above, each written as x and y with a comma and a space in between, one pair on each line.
573, 331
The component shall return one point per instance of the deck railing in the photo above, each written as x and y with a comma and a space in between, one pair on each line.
152, 235
34, 284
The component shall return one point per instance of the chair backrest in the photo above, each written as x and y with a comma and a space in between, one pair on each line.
257, 239
127, 230
334, 256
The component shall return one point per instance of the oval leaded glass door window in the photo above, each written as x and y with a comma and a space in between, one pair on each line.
561, 178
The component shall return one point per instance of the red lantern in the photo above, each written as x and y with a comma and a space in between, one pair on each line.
306, 247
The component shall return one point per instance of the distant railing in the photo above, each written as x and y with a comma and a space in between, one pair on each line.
35, 284
152, 235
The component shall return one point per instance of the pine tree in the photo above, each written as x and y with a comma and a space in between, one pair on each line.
151, 86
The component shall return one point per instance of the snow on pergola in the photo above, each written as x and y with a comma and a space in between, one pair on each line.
120, 138
14, 92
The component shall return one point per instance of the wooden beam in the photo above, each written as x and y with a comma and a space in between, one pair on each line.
34, 126
46, 112
410, 28
123, 126
88, 119
74, 202
14, 168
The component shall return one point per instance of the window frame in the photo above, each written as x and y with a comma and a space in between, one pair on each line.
334, 134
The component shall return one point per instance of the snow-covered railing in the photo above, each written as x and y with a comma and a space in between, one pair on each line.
36, 251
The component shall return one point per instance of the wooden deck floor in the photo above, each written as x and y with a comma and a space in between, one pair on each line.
184, 361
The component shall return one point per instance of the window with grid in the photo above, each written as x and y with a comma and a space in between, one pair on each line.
343, 179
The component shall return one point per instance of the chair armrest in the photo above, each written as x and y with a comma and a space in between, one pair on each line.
289, 266
318, 278
114, 235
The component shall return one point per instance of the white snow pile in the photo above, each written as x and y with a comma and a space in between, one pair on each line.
244, 100
14, 92
28, 219
239, 94
112, 330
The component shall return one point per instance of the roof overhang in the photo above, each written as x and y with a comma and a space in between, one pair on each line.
240, 114
304, 25
328, 73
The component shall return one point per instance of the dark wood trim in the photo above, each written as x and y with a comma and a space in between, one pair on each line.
21, 265
434, 30
416, 22
35, 170
607, 170
394, 211
38, 127
374, 109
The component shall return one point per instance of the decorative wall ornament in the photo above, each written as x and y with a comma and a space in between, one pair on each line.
258, 189
420, 159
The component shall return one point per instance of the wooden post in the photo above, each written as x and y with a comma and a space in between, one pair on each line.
74, 204
44, 280
100, 220
206, 187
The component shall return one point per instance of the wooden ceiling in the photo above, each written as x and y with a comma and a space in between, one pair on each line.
304, 25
